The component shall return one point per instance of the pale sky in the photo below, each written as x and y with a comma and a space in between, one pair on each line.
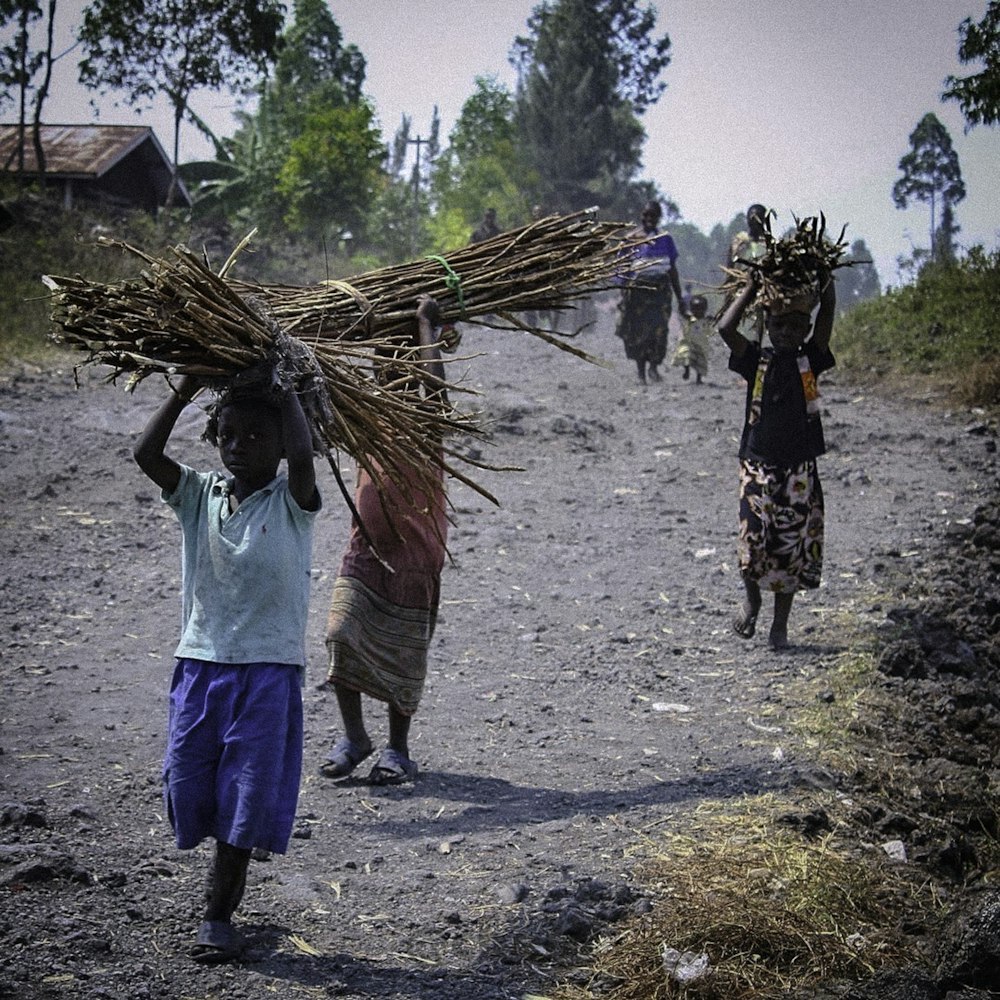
804, 105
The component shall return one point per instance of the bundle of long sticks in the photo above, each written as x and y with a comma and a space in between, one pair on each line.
181, 317
544, 266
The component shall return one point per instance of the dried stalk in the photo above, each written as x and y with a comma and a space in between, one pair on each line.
180, 317
791, 265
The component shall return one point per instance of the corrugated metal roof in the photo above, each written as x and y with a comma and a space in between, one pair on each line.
84, 152
75, 150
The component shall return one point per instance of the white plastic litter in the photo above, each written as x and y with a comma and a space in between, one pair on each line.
684, 967
895, 849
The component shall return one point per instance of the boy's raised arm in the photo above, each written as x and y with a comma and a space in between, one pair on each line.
149, 450
823, 327
298, 452
428, 314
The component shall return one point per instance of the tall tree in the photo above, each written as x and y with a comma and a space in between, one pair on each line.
859, 282
587, 71
42, 90
175, 47
317, 152
21, 63
930, 171
944, 238
978, 94
314, 56
329, 175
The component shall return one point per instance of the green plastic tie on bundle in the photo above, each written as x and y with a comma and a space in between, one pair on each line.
452, 280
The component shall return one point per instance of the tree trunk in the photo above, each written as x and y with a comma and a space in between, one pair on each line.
43, 93
933, 248
178, 114
22, 44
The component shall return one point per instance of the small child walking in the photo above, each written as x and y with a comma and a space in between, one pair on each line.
382, 620
781, 498
234, 746
692, 348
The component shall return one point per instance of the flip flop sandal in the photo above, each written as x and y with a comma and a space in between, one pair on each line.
745, 625
393, 768
344, 757
217, 942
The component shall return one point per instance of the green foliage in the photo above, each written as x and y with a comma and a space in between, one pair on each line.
313, 57
39, 237
222, 186
588, 69
930, 170
945, 324
978, 94
308, 162
397, 231
622, 37
486, 122
449, 230
331, 172
175, 47
482, 167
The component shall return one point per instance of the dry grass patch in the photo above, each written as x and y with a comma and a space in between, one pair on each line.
774, 913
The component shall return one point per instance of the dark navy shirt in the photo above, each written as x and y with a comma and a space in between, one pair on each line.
784, 433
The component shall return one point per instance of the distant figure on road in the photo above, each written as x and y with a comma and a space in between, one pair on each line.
692, 350
748, 245
644, 312
486, 229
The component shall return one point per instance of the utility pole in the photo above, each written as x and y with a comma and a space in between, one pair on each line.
418, 142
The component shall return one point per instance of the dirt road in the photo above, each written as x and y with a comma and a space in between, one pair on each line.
586, 689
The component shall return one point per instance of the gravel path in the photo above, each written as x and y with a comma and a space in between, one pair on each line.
586, 689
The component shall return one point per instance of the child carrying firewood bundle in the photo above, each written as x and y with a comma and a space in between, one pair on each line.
385, 598
234, 749
781, 499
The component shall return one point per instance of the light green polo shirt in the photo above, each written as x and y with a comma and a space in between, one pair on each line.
245, 573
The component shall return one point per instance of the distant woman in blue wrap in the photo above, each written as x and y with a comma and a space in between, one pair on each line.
647, 296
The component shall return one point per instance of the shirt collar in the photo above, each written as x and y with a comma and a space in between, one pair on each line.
223, 487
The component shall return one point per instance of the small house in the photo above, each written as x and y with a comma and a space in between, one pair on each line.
117, 166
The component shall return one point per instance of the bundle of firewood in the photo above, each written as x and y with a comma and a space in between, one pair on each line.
181, 317
791, 267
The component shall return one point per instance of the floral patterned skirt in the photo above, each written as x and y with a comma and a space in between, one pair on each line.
781, 526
